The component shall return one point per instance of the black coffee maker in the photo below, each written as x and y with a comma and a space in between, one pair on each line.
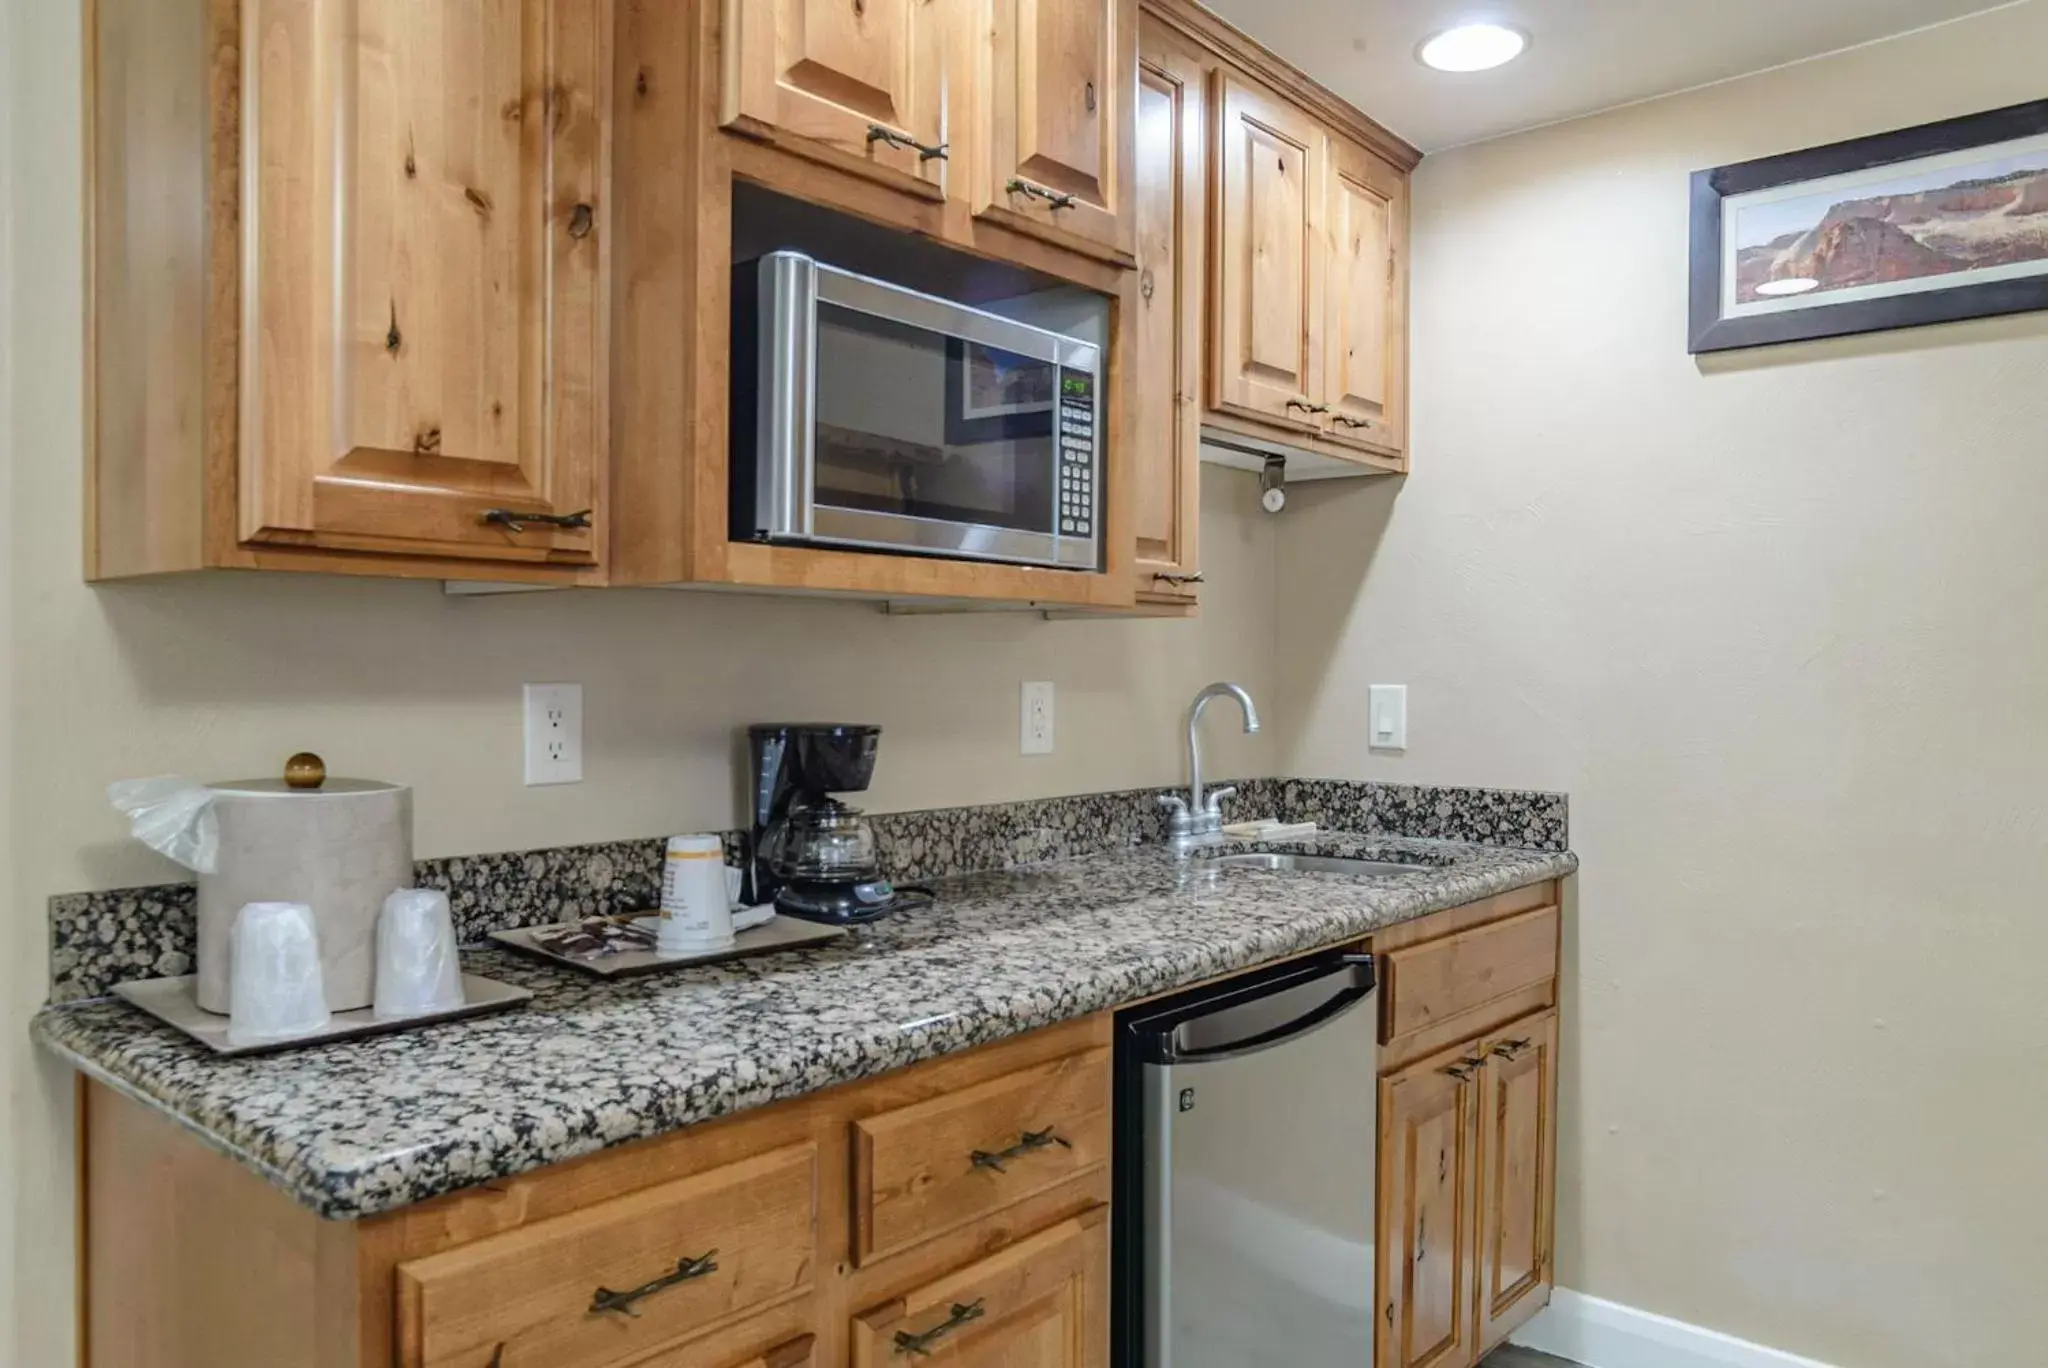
814, 855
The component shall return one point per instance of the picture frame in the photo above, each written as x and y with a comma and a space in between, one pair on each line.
1932, 224
989, 401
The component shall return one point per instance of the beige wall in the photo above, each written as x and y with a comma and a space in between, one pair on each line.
227, 676
1775, 621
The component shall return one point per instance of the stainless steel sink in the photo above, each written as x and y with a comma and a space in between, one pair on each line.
1280, 863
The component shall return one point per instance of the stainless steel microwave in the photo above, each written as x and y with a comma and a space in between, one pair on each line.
873, 417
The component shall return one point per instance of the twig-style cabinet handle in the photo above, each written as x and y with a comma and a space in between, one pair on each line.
925, 151
963, 1314
514, 521
1028, 1143
1019, 186
1343, 421
687, 1270
1510, 1049
1165, 578
1464, 1068
1306, 407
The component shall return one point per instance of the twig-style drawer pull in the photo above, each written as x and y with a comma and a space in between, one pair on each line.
1029, 1142
963, 1314
513, 521
1019, 186
1464, 1068
1165, 578
686, 1270
1510, 1049
925, 151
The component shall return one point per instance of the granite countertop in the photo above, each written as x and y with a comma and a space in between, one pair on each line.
369, 1126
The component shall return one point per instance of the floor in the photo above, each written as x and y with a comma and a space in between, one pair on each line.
1512, 1357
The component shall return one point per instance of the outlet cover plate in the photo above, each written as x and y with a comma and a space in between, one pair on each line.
554, 734
1035, 725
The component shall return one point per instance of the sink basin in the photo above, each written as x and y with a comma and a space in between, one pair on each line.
1311, 864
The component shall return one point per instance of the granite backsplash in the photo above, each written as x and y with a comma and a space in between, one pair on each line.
100, 939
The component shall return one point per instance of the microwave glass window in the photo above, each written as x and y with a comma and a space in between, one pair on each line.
923, 425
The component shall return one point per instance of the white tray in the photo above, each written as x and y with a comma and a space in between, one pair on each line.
175, 1002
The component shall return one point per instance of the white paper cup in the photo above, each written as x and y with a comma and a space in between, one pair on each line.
275, 989
696, 913
418, 970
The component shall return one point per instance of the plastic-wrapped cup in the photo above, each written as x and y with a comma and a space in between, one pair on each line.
696, 911
275, 989
418, 971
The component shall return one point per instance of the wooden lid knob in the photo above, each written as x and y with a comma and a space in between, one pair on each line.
305, 771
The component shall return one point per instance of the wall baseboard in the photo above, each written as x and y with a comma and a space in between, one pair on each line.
1605, 1334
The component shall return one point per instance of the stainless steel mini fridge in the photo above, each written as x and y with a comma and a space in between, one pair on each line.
1246, 1162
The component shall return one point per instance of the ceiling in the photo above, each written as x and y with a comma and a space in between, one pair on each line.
1584, 55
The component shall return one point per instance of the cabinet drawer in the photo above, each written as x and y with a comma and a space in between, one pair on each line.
1041, 1302
1426, 985
701, 1251
797, 1353
927, 1168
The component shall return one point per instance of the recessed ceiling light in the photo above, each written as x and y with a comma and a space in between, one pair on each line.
1790, 286
1473, 47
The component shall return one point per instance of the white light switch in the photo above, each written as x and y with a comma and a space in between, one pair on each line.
1387, 716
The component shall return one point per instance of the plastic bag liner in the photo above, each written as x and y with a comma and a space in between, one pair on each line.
172, 816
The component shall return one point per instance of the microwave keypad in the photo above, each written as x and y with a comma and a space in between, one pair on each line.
1077, 457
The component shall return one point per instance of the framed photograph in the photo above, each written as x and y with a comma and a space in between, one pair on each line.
994, 395
1924, 225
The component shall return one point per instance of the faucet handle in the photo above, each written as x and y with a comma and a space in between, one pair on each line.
1177, 820
1217, 795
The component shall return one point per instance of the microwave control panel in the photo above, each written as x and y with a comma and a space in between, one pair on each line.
1077, 454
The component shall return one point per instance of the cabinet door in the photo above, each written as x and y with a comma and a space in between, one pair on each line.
1429, 1133
1265, 304
1517, 1175
1055, 139
1164, 465
1040, 1303
861, 81
426, 292
1365, 330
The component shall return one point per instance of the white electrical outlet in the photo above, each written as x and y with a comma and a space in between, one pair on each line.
1037, 719
1387, 717
554, 734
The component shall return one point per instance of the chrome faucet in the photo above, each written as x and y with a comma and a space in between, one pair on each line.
1197, 820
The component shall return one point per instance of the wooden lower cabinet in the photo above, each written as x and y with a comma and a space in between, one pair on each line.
1429, 1159
809, 1234
1041, 1303
1468, 1142
1517, 1175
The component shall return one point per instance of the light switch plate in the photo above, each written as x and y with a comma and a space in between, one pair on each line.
554, 734
1387, 717
1036, 723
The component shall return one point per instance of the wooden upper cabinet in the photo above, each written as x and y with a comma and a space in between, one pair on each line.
425, 299
1517, 1176
861, 83
1266, 285
1365, 307
1428, 1161
1054, 141
1164, 463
